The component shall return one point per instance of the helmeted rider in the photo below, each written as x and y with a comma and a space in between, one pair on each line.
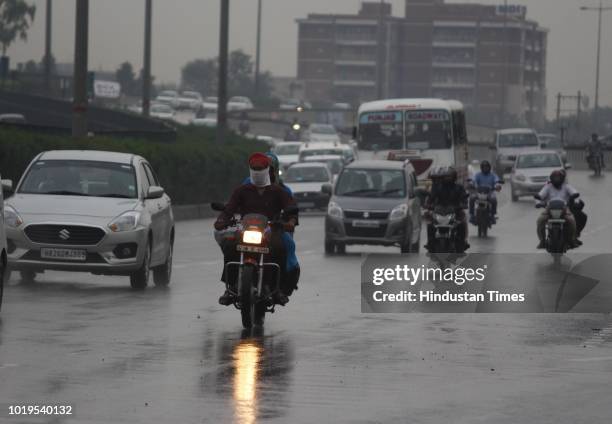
557, 189
485, 178
595, 148
446, 192
260, 196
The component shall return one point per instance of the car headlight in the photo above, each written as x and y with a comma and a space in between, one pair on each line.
252, 237
127, 221
11, 217
399, 212
520, 177
333, 210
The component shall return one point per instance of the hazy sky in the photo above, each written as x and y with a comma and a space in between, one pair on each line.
188, 29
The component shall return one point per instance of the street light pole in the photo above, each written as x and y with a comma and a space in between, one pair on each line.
222, 89
146, 66
600, 9
258, 50
80, 101
47, 60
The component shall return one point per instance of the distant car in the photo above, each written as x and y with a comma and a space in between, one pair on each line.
511, 142
306, 181
208, 121
191, 100
239, 103
210, 104
552, 142
322, 133
327, 148
137, 108
288, 153
531, 172
168, 97
374, 203
335, 163
270, 141
161, 111
12, 118
90, 211
6, 185
294, 104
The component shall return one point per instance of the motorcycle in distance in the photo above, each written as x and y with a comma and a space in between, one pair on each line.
556, 239
254, 297
482, 212
445, 223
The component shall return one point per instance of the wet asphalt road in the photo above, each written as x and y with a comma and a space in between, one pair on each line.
176, 356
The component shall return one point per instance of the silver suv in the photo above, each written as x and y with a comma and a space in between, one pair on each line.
90, 211
374, 202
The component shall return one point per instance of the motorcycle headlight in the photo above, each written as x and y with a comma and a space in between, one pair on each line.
334, 210
127, 221
252, 237
443, 219
520, 177
11, 217
399, 212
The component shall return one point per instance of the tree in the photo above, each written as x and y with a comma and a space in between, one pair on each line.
16, 16
200, 75
126, 77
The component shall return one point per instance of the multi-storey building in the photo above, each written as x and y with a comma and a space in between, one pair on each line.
491, 58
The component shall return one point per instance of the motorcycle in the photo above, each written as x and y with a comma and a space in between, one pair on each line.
252, 290
484, 220
556, 238
445, 223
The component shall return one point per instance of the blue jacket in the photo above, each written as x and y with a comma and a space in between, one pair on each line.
489, 180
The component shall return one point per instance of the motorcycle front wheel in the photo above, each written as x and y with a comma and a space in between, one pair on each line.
251, 311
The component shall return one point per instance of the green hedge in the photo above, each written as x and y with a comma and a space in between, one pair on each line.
194, 169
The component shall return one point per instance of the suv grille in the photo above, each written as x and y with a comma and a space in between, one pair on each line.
64, 234
365, 232
370, 215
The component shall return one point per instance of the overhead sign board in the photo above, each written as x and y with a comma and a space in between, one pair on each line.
512, 10
107, 89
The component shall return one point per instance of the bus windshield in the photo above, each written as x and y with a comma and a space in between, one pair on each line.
428, 129
381, 129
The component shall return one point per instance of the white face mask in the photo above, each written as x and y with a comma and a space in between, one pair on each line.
260, 178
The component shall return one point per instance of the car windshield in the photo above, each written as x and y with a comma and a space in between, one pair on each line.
371, 183
518, 140
211, 100
190, 95
287, 149
80, 178
167, 94
321, 152
538, 161
322, 129
307, 174
161, 109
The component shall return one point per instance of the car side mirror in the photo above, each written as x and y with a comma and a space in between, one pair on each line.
543, 145
155, 192
7, 188
326, 189
568, 166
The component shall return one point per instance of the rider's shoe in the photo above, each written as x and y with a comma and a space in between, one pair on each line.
281, 299
541, 245
226, 299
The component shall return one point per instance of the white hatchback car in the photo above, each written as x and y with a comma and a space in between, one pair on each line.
90, 211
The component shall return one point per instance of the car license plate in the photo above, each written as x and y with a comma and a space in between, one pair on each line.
252, 249
63, 254
307, 204
366, 224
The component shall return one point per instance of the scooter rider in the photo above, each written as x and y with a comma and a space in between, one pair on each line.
485, 178
595, 148
446, 192
557, 189
261, 197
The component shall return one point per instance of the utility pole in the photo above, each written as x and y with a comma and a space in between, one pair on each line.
146, 64
600, 9
222, 89
258, 50
502, 109
80, 101
47, 60
381, 53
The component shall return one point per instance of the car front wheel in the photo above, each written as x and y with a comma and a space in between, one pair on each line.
163, 273
140, 278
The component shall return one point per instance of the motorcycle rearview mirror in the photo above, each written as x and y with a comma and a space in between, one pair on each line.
537, 197
217, 206
575, 196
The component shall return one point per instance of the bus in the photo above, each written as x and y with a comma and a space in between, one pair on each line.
429, 132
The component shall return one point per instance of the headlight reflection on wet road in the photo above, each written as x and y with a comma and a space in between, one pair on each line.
246, 359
